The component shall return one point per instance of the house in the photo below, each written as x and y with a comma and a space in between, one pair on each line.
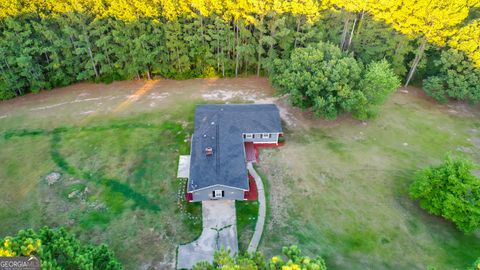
224, 140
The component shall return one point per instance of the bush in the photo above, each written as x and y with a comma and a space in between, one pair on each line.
457, 78
58, 249
434, 87
293, 260
450, 190
328, 81
476, 265
378, 82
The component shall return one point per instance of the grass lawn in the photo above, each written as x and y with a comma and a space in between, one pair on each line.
340, 190
118, 183
337, 189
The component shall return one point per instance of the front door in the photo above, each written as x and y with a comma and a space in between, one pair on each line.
217, 194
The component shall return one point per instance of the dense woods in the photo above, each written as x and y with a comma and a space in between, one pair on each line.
47, 43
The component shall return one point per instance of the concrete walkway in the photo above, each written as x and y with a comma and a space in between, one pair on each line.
183, 166
262, 209
219, 230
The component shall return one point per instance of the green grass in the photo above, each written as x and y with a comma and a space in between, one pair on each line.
247, 214
126, 164
341, 191
336, 189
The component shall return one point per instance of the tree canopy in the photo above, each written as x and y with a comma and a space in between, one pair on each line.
329, 81
47, 43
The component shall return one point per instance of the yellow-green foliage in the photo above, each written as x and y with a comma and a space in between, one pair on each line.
20, 246
292, 260
467, 40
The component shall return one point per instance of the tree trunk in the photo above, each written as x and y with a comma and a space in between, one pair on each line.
237, 57
149, 73
296, 33
351, 34
259, 50
217, 49
93, 61
223, 65
344, 32
417, 59
360, 22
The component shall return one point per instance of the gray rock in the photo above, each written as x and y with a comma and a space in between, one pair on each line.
53, 177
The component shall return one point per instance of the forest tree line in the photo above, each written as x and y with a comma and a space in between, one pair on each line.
49, 43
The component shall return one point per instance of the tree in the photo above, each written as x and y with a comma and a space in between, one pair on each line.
329, 81
45, 44
58, 249
432, 21
451, 191
293, 261
467, 40
456, 78
320, 77
377, 83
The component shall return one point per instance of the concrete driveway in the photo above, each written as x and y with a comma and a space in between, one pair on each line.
219, 230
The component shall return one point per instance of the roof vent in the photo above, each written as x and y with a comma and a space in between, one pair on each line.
208, 151
212, 123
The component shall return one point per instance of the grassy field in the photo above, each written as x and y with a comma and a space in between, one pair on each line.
337, 189
340, 190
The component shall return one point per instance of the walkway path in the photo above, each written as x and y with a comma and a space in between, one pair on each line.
262, 209
219, 230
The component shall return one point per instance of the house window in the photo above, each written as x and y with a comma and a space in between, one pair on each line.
266, 135
248, 136
218, 193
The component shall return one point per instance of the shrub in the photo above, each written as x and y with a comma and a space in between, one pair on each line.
457, 78
450, 190
293, 260
434, 87
377, 83
475, 265
58, 249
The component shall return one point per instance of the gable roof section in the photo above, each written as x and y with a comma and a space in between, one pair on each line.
221, 127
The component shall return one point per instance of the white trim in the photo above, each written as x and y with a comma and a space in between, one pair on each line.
266, 142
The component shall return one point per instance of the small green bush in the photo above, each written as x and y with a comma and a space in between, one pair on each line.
450, 190
475, 265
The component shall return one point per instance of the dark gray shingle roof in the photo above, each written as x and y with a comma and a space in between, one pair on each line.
221, 127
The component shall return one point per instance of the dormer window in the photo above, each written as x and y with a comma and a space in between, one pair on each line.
208, 151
